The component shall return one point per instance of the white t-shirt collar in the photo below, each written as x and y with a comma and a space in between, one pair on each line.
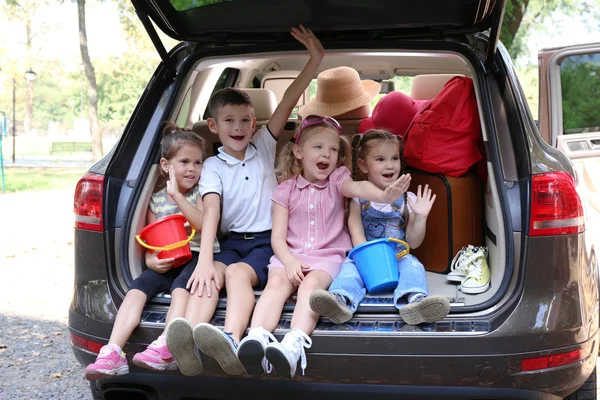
250, 152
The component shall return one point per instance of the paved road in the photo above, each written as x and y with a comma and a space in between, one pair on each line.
36, 259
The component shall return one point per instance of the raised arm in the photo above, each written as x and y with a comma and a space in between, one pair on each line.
417, 219
366, 190
295, 90
194, 214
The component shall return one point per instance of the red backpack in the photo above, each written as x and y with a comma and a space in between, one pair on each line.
445, 135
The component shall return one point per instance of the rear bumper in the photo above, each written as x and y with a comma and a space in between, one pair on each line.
171, 387
357, 375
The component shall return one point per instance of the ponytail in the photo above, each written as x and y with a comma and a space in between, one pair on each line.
356, 139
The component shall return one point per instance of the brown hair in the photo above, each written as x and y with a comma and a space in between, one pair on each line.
174, 138
225, 97
289, 167
363, 143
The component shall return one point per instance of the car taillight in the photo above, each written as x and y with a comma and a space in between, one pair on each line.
556, 208
85, 344
88, 202
556, 360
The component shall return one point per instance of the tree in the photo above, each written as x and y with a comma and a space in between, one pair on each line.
24, 11
522, 16
580, 82
92, 92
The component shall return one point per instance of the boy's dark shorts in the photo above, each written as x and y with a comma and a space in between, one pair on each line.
253, 249
153, 283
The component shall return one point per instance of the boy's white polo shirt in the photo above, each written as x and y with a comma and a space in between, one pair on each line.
245, 186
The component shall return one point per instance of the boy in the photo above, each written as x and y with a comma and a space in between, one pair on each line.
242, 178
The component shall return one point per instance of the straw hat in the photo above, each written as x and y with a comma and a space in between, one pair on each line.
340, 90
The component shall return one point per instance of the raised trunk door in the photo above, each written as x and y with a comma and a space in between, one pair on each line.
244, 21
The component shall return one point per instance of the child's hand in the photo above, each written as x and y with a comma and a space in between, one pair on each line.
172, 186
158, 265
422, 206
396, 189
295, 273
310, 41
201, 280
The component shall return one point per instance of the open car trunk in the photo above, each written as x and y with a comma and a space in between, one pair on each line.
376, 312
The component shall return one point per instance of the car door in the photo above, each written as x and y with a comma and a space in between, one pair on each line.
569, 116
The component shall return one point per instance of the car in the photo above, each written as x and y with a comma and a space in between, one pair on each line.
532, 334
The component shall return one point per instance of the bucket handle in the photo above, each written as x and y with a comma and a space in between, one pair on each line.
403, 243
168, 247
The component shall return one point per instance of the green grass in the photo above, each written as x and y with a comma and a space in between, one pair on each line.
32, 179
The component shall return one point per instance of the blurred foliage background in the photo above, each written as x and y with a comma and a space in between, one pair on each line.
43, 36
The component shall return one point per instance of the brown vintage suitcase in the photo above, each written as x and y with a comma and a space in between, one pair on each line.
455, 220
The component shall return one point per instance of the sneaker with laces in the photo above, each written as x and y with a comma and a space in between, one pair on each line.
251, 351
461, 264
465, 261
217, 344
477, 280
284, 356
330, 305
180, 342
156, 357
110, 362
425, 309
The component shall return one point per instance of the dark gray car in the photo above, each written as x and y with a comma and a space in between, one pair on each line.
532, 334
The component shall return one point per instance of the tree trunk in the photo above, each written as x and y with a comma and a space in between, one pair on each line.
513, 16
29, 100
88, 68
513, 22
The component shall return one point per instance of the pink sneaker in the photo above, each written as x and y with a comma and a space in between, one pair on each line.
156, 356
108, 363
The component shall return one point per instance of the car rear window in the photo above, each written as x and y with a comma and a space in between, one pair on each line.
182, 5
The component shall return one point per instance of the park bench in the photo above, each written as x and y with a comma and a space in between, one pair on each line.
70, 147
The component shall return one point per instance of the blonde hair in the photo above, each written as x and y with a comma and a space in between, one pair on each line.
289, 167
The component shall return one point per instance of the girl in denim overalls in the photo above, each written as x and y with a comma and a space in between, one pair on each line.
378, 155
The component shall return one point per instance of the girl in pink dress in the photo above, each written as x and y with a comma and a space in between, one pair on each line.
309, 239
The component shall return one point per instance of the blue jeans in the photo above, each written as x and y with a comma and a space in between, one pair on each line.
412, 279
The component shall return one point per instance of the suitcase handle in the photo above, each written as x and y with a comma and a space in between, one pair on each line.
403, 243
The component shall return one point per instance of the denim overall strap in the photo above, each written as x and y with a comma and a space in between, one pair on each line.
380, 224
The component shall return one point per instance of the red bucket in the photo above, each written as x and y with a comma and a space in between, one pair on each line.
168, 235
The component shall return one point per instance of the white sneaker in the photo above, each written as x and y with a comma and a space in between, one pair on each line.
284, 356
465, 261
251, 351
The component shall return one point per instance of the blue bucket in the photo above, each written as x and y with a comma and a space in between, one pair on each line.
377, 263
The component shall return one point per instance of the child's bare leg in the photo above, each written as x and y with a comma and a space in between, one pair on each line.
202, 309
284, 356
271, 302
240, 278
128, 317
180, 339
304, 318
179, 300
